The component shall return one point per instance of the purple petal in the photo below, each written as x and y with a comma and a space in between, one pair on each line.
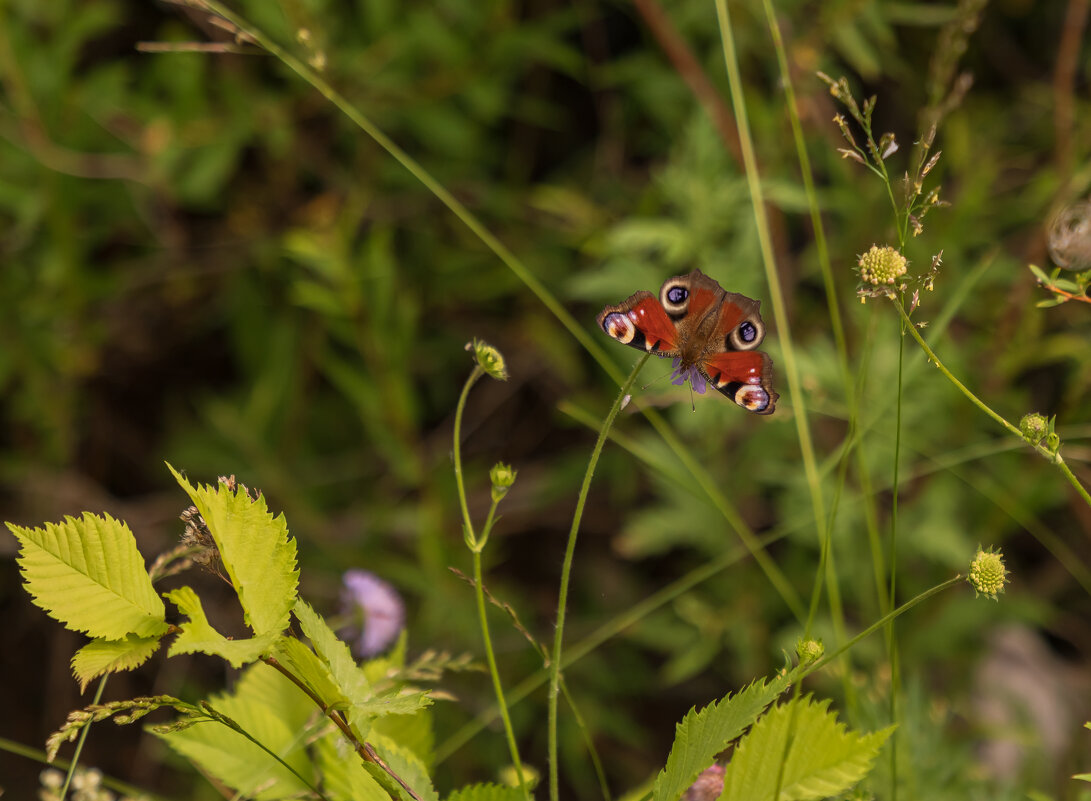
376, 609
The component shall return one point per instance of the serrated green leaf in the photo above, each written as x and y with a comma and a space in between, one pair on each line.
257, 552
346, 674
703, 734
198, 636
824, 758
399, 701
88, 574
99, 657
414, 732
486, 792
308, 668
405, 765
273, 711
344, 777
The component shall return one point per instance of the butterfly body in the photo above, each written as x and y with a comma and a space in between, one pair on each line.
709, 331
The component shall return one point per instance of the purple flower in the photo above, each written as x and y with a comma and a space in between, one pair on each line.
375, 610
691, 374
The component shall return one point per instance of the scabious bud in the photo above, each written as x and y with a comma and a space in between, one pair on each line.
882, 265
489, 359
1034, 427
502, 477
988, 574
809, 651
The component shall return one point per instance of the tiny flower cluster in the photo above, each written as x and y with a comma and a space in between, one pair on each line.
1037, 429
882, 265
988, 574
86, 786
488, 359
883, 274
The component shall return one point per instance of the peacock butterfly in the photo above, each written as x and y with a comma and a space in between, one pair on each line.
712, 335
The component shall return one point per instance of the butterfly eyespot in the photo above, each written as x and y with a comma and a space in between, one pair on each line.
752, 398
747, 335
674, 298
620, 327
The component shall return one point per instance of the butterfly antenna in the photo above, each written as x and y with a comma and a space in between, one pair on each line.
659, 378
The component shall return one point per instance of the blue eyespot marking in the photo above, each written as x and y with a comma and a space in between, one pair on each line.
748, 332
677, 294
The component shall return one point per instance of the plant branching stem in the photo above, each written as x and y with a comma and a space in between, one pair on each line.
566, 572
363, 749
476, 546
1054, 458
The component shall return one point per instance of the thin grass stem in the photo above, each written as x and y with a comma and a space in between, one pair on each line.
776, 295
71, 772
566, 572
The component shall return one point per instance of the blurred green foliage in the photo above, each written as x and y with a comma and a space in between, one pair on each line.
204, 262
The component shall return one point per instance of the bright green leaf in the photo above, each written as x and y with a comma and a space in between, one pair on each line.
87, 573
406, 766
486, 792
100, 656
344, 777
348, 676
270, 709
824, 758
702, 735
305, 665
257, 552
198, 636
414, 732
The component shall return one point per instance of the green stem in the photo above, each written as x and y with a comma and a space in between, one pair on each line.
490, 657
566, 571
1054, 458
476, 546
82, 739
776, 295
467, 523
891, 639
881, 623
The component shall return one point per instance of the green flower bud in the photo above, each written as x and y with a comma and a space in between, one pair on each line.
502, 477
809, 651
988, 574
489, 358
1034, 427
509, 776
882, 265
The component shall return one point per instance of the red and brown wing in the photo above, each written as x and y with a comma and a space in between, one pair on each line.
745, 377
640, 322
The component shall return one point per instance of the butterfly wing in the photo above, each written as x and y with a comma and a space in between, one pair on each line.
731, 361
746, 377
640, 322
